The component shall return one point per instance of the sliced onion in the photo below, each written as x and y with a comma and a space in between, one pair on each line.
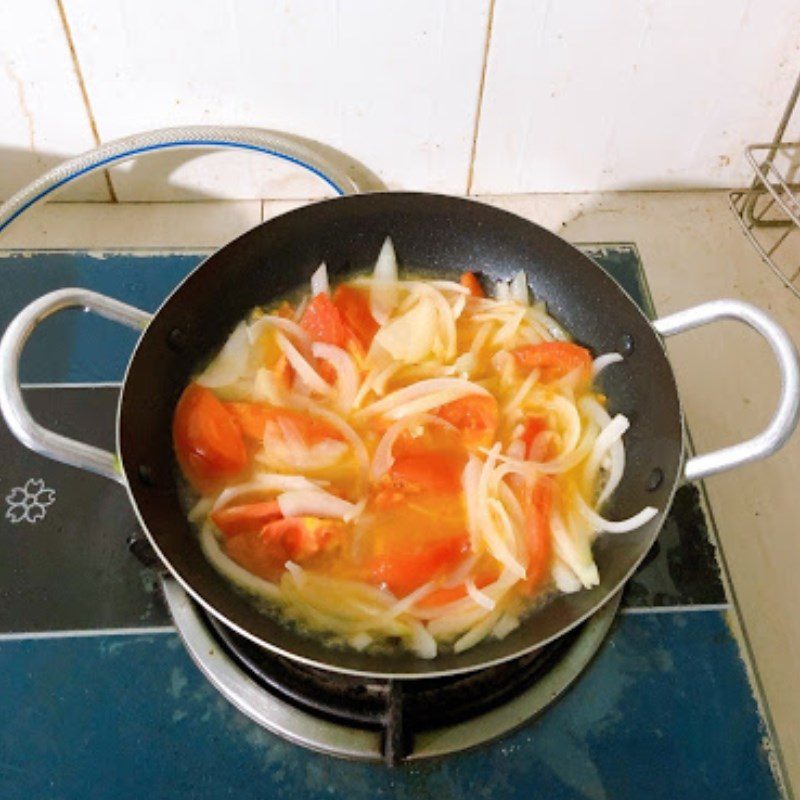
506, 624
502, 291
264, 483
304, 370
445, 315
609, 440
315, 503
383, 292
477, 633
424, 395
410, 336
573, 547
470, 482
290, 450
606, 360
266, 388
300, 337
346, 373
360, 641
602, 525
230, 363
347, 432
421, 641
478, 596
518, 288
319, 281
200, 509
449, 286
564, 578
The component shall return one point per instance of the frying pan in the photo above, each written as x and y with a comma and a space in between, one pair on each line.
444, 236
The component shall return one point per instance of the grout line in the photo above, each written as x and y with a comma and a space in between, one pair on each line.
39, 635
84, 94
479, 105
675, 609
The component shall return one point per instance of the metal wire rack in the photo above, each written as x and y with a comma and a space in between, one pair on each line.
769, 211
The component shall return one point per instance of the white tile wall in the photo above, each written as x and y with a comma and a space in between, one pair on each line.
42, 115
578, 96
394, 84
631, 93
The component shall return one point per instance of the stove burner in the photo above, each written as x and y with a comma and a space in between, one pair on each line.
398, 708
381, 719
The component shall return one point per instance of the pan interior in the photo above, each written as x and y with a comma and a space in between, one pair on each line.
438, 234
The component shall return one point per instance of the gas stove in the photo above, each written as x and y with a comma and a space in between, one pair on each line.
650, 697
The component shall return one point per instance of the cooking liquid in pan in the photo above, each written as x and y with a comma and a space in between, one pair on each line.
401, 463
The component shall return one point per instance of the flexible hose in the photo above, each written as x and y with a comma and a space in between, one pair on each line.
342, 173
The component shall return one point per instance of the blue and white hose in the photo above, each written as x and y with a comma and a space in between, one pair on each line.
342, 173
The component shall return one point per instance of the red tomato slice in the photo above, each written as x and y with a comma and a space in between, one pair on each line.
437, 472
475, 416
403, 570
469, 280
207, 441
300, 537
554, 359
354, 308
537, 531
252, 419
250, 518
323, 322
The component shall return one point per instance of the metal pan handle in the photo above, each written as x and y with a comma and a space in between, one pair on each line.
343, 173
12, 404
783, 422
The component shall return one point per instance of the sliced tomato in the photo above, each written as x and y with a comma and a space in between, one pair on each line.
406, 567
323, 322
554, 359
207, 441
475, 416
253, 418
534, 448
249, 551
249, 518
469, 280
300, 537
538, 533
353, 306
436, 472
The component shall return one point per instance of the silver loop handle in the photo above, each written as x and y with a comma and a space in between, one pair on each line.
12, 404
783, 422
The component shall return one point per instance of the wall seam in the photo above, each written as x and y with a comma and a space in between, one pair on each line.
76, 66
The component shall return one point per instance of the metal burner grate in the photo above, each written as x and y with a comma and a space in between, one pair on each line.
388, 720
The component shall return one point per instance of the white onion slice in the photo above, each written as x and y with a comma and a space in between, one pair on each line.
609, 441
518, 288
230, 363
564, 578
506, 624
470, 481
421, 641
502, 291
319, 281
347, 432
409, 337
606, 360
432, 393
478, 596
316, 503
264, 483
304, 370
346, 373
288, 327
478, 633
383, 292
602, 525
